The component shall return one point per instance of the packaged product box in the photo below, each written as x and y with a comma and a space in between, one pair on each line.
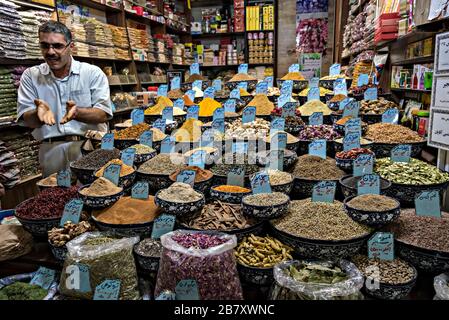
403, 25
428, 47
239, 4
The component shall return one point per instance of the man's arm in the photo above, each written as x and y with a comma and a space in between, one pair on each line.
91, 115
26, 107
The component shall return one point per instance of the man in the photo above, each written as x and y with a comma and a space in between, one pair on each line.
62, 99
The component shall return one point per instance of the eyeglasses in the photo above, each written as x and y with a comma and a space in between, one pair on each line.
55, 46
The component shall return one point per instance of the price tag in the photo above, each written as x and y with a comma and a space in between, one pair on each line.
236, 176
316, 119
261, 183
318, 148
243, 68
216, 84
239, 147
160, 124
128, 156
235, 94
209, 93
107, 142
370, 94
269, 80
194, 68
352, 110
314, 94
191, 94
187, 176
363, 80
249, 114
391, 116
207, 138
363, 165
198, 159
193, 112
43, 278
340, 87
283, 99
140, 190
168, 145
344, 103
335, 69
427, 204
80, 275
351, 141
187, 289
175, 83
324, 191
219, 125
162, 90
167, 113
166, 296
112, 173
289, 109
369, 184
353, 125
314, 82
229, 106
262, 88
72, 211
294, 68
179, 103
277, 124
278, 141
219, 114
276, 160
137, 116
287, 88
162, 225
197, 84
401, 153
243, 85
146, 138
381, 246
64, 179
107, 290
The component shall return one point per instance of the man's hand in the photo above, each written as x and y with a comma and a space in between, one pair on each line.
44, 113
71, 112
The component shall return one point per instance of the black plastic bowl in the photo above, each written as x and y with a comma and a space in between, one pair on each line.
406, 193
303, 188
85, 176
59, 253
431, 261
265, 212
256, 276
186, 86
348, 186
125, 182
329, 84
290, 158
372, 218
150, 264
338, 146
123, 144
180, 209
155, 182
383, 150
99, 202
37, 227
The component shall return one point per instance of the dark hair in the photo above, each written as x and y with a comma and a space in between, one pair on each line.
56, 27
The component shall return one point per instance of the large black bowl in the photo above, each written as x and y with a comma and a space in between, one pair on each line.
427, 260
85, 176
155, 182
303, 100
264, 212
180, 209
303, 188
383, 150
39, 228
349, 186
329, 84
290, 158
406, 193
229, 197
186, 86
231, 85
257, 276
127, 181
372, 218
99, 202
150, 264
298, 85
125, 230
290, 146
304, 147
338, 146
203, 186
371, 118
256, 229
123, 144
346, 165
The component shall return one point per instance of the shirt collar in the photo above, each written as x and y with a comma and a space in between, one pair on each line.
74, 68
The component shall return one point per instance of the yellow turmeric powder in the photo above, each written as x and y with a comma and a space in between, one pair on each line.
208, 107
189, 132
162, 103
244, 93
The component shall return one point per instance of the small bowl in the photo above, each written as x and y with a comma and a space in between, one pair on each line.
155, 182
228, 197
123, 144
290, 158
85, 176
406, 193
372, 218
303, 188
298, 85
178, 209
349, 186
431, 261
231, 85
39, 228
144, 157
383, 150
150, 264
264, 212
59, 253
99, 202
256, 276
125, 230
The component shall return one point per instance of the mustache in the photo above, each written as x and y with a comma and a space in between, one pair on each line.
51, 57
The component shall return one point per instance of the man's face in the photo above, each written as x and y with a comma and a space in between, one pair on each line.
55, 50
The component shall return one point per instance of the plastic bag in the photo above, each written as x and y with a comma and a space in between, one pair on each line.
26, 277
214, 269
111, 258
441, 285
286, 288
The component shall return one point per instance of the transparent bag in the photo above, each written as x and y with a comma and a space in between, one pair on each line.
92, 263
214, 269
441, 285
286, 288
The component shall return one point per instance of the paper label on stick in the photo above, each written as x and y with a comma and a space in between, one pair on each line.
64, 179
112, 173
277, 124
219, 125
43, 278
351, 141
197, 84
316, 119
187, 176
243, 86
427, 204
229, 106
294, 68
363, 165
162, 225
352, 109
289, 110
278, 141
146, 138
80, 277
72, 212
335, 69
391, 116
107, 142
243, 68
217, 84
324, 191
369, 184
262, 88
191, 94
381, 246
140, 190
261, 183
194, 68
209, 93
187, 290
344, 103
270, 81
287, 88
160, 124
179, 103
128, 156
175, 83
370, 94
192, 112
219, 114
340, 87
318, 148
236, 176
168, 145
314, 82
363, 80
137, 116
314, 94
235, 94
198, 159
108, 290
401, 153
353, 125
167, 113
162, 90
249, 114
283, 100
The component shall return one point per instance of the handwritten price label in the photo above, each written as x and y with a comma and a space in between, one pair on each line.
112, 173
108, 290
261, 183
209, 93
316, 119
191, 94
72, 212
401, 153
318, 148
194, 68
314, 94
236, 176
192, 112
262, 88
276, 160
270, 81
335, 69
340, 87
107, 142
351, 141
344, 103
363, 165
370, 94
162, 90
146, 138
162, 225
167, 114
179, 103
353, 125
197, 84
219, 125
391, 116
64, 179
216, 84
140, 190
288, 110
187, 290
427, 204
363, 80
243, 68
287, 88
381, 246
283, 100
249, 114
229, 106
294, 68
219, 114
235, 94
128, 156
43, 278
277, 124
314, 82
137, 116
278, 141
166, 296
207, 138
352, 109
198, 159
243, 85
324, 191
369, 184
187, 176
175, 83
168, 145
160, 124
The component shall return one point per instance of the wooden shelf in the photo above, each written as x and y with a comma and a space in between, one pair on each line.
28, 179
150, 83
102, 59
33, 5
96, 5
143, 20
123, 84
418, 60
219, 66
410, 90
260, 64
217, 35
176, 31
126, 110
21, 61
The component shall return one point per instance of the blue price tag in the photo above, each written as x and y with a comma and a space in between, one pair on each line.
219, 125
137, 116
236, 176
278, 141
162, 90
369, 184
316, 119
198, 159
209, 93
219, 114
140, 190
108, 290
194, 68
191, 94
294, 68
112, 173
160, 124
207, 138
168, 145
193, 112
351, 141
314, 94
381, 246
283, 99
146, 138
216, 84
270, 81
187, 290
363, 80
179, 103
80, 275
197, 84
370, 94
175, 83
352, 109
72, 212
318, 148
427, 204
287, 87
324, 191
167, 113
289, 109
260, 183
340, 87
335, 69
128, 156
401, 153
187, 176
43, 278
391, 116
249, 114
166, 296
276, 160
235, 94
243, 68
243, 85
262, 88
277, 124
162, 225
353, 125
344, 103
239, 147
107, 142
64, 179
229, 106
363, 165
314, 82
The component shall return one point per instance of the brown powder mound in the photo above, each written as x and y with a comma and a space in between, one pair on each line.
392, 133
200, 174
263, 105
295, 76
195, 77
242, 77
101, 187
316, 168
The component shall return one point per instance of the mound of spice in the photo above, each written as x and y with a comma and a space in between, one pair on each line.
22, 291
142, 149
149, 247
278, 177
244, 93
58, 237
263, 105
376, 106
295, 76
163, 164
133, 132
393, 272
124, 170
158, 135
200, 174
222, 170
189, 132
278, 113
208, 150
128, 210
231, 189
195, 77
415, 172
290, 138
180, 192
175, 94
266, 199
338, 76
242, 77
262, 252
338, 98
101, 187
208, 107
324, 131
373, 203
315, 168
392, 133
49, 204
251, 130
187, 101
314, 106
323, 92
50, 181
343, 121
353, 153
96, 159
157, 110
320, 221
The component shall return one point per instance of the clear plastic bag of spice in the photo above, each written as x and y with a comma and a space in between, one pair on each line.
214, 269
95, 257
287, 288
441, 286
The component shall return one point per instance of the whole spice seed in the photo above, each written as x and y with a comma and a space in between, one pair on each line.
133, 132
180, 192
251, 130
49, 204
96, 159
314, 106
262, 252
142, 149
392, 133
377, 106
266, 199
190, 131
175, 94
323, 92
58, 237
50, 181
320, 221
242, 77
264, 107
278, 177
353, 153
124, 170
416, 172
337, 98
149, 247
222, 170
293, 76
200, 174
100, 188
326, 132
316, 168
394, 272
22, 291
163, 164
373, 203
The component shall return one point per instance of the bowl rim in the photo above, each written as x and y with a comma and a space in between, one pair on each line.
313, 180
259, 223
120, 177
191, 203
430, 252
425, 186
121, 226
285, 202
230, 193
196, 183
398, 206
267, 269
340, 181
97, 197
341, 159
424, 142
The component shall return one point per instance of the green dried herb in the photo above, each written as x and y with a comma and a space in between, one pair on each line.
22, 291
316, 273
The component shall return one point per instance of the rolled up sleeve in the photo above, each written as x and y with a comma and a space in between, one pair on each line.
26, 95
100, 93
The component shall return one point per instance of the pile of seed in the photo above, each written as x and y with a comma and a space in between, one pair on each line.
316, 168
392, 133
266, 199
373, 203
163, 163
96, 159
149, 247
